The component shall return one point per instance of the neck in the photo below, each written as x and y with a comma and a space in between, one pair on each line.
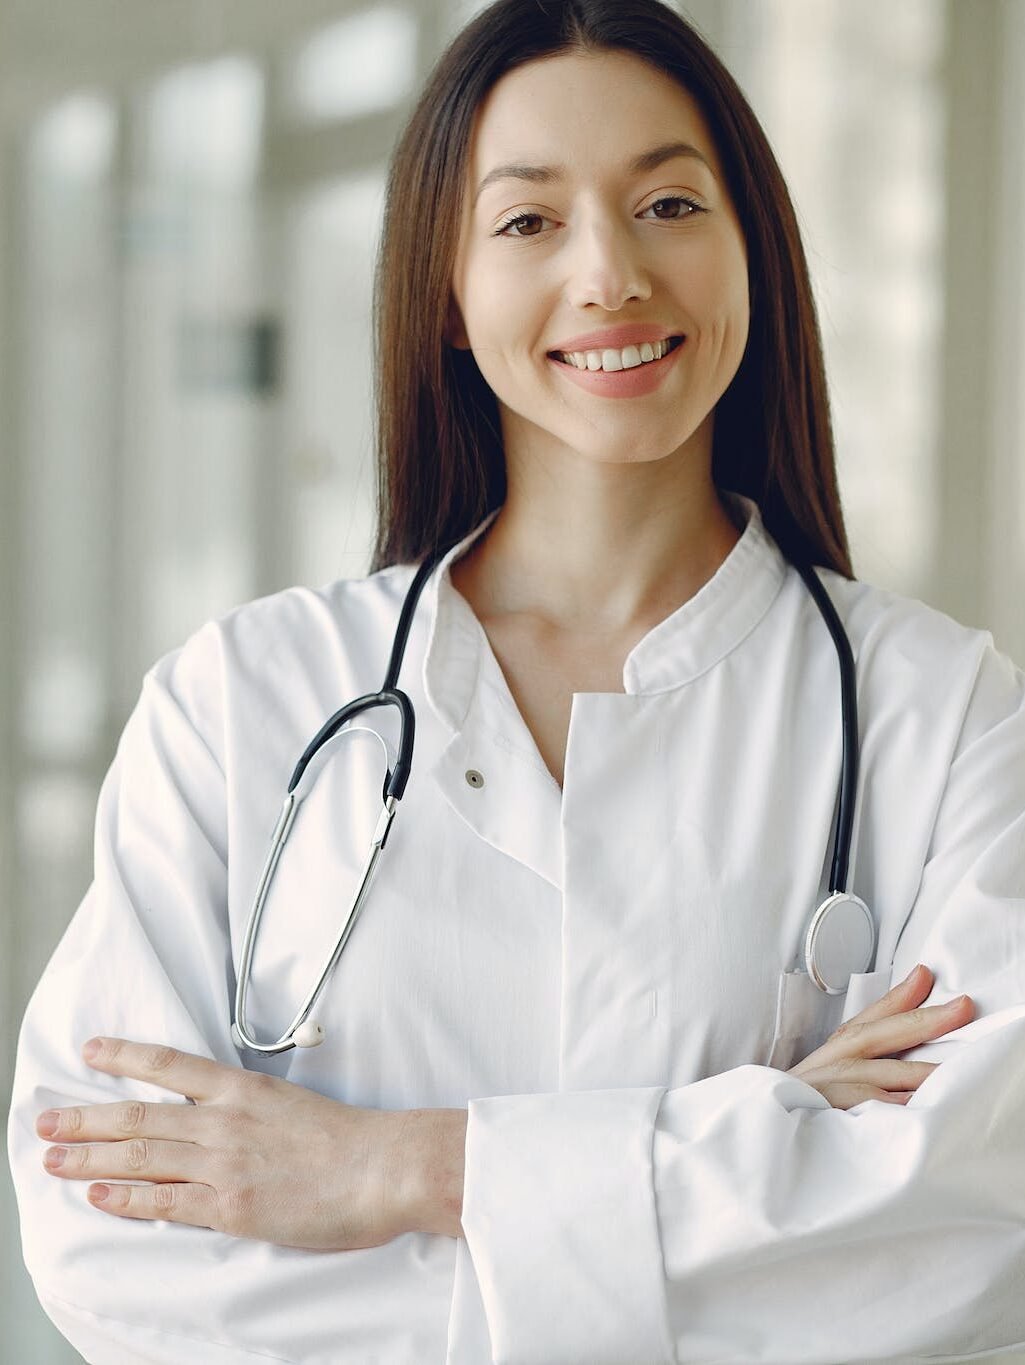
603, 548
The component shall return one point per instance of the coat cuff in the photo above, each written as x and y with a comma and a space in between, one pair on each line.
569, 1265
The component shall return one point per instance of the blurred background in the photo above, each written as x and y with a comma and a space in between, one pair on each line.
190, 198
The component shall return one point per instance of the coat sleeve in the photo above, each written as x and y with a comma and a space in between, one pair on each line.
147, 956
741, 1218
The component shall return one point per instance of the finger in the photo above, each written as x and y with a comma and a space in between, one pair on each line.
877, 1074
170, 1203
128, 1118
184, 1072
880, 1037
844, 1096
887, 1074
907, 993
137, 1159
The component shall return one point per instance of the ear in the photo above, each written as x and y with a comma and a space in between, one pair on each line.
455, 332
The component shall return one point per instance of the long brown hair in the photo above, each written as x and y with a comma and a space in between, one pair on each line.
440, 462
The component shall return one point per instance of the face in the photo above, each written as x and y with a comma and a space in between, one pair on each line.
597, 241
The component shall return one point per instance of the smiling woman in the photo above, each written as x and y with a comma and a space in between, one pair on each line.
602, 1074
684, 140
602, 246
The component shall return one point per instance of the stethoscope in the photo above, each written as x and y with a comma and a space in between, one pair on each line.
839, 940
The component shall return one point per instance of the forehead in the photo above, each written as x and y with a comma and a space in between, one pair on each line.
590, 109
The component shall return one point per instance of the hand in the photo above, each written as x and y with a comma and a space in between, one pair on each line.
253, 1156
845, 1068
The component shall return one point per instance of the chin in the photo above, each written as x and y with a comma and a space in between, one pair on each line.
630, 447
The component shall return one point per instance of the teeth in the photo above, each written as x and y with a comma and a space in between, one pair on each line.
611, 360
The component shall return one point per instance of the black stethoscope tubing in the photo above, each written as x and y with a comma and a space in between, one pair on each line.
849, 710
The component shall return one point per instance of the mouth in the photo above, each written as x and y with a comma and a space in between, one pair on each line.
558, 356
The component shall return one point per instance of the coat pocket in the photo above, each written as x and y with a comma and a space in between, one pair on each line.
864, 989
806, 1016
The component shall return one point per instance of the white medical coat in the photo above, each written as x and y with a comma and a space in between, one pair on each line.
607, 976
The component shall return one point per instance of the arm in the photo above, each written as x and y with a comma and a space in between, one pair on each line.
148, 957
741, 1218
227, 1161
434, 1153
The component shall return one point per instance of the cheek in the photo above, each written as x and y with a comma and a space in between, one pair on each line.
489, 292
717, 295
718, 286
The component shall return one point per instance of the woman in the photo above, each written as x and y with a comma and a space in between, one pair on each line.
578, 1096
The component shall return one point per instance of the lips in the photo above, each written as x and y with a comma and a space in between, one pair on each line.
629, 382
615, 338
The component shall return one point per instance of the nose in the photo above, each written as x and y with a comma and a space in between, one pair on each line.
606, 266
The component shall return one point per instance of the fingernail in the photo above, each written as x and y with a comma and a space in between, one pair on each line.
46, 1124
954, 1004
55, 1157
913, 972
90, 1049
98, 1193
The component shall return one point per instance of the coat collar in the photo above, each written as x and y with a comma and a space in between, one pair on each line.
696, 637
699, 634
519, 807
456, 640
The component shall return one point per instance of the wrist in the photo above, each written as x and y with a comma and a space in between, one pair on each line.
433, 1165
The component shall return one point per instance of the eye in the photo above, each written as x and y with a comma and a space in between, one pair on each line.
675, 199
672, 201
503, 229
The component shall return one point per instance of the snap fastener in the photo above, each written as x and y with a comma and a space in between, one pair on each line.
474, 778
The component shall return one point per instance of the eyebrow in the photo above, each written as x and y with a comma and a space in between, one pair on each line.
547, 175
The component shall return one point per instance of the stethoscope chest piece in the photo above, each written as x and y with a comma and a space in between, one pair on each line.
840, 941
